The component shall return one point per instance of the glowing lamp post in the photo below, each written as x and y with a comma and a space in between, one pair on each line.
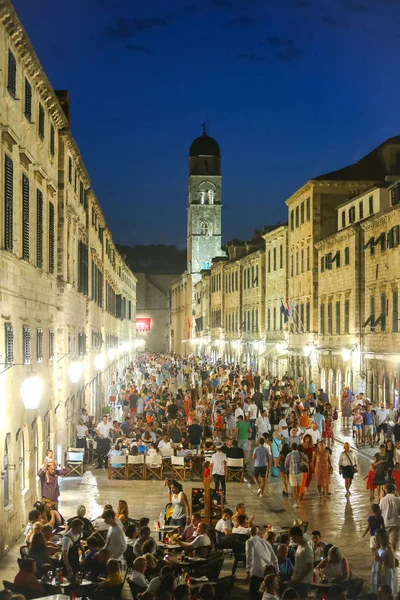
99, 362
111, 354
31, 390
75, 371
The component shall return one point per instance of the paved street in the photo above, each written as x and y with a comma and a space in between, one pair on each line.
341, 522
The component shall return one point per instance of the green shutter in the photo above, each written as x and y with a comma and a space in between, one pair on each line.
8, 202
39, 228
25, 217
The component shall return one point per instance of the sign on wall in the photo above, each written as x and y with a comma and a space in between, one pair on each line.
143, 324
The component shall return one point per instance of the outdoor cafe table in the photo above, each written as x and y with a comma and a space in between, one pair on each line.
66, 583
164, 530
54, 597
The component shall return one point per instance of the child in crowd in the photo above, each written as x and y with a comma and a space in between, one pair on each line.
206, 474
113, 578
375, 522
369, 478
47, 461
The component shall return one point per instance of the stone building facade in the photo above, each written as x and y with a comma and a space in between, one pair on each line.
152, 310
67, 299
275, 355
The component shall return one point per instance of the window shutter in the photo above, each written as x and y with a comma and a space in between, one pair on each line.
26, 345
12, 74
51, 237
81, 194
52, 139
51, 344
41, 122
25, 217
28, 100
39, 344
9, 343
39, 228
8, 203
69, 169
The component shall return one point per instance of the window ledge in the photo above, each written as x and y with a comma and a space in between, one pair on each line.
9, 507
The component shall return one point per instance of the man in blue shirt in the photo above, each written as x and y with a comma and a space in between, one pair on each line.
261, 457
369, 425
319, 419
284, 563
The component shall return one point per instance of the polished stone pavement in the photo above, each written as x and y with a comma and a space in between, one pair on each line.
341, 521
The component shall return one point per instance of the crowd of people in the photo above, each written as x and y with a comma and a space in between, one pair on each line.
277, 427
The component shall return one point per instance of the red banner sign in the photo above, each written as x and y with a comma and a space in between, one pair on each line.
143, 324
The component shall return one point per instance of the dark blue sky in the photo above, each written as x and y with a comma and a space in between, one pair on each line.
289, 88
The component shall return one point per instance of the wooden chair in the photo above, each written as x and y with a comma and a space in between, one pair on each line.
166, 454
75, 461
135, 468
115, 470
154, 467
23, 551
239, 550
235, 470
180, 469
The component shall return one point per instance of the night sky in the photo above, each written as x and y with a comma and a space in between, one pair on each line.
289, 88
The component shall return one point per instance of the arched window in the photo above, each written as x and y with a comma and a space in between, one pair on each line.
206, 229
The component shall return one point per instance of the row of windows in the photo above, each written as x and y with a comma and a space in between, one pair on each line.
386, 240
111, 300
40, 119
300, 262
374, 320
26, 212
250, 321
330, 323
9, 350
348, 216
300, 322
76, 344
232, 322
327, 261
216, 282
232, 282
250, 277
272, 265
216, 320
273, 316
300, 214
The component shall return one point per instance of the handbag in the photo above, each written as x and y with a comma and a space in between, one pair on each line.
354, 467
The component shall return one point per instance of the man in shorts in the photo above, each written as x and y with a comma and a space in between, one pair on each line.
261, 457
292, 466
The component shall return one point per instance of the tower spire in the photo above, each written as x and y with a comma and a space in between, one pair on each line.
204, 126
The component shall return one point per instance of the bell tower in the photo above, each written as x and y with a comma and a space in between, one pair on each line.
204, 205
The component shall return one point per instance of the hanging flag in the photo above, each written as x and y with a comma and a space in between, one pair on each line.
285, 312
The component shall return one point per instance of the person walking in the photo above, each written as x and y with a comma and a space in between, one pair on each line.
261, 457
322, 470
243, 427
348, 465
390, 510
219, 466
253, 412
292, 466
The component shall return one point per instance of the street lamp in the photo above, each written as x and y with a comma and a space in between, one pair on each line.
307, 350
31, 390
75, 371
346, 354
99, 362
111, 353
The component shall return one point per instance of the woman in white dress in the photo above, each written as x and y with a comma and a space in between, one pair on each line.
384, 571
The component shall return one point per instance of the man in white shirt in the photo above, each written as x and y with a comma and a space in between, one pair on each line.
137, 576
103, 442
115, 541
200, 541
259, 555
238, 411
382, 415
284, 430
71, 545
263, 424
314, 432
253, 412
218, 469
390, 509
304, 562
241, 526
224, 525
155, 584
